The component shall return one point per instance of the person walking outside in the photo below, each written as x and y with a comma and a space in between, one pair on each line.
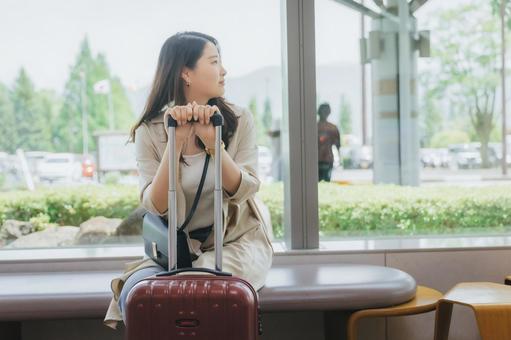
328, 135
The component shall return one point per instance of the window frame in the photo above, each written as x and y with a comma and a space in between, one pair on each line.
300, 136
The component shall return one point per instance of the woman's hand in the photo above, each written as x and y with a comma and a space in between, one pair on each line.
182, 114
203, 129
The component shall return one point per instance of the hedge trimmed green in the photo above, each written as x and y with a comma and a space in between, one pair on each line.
69, 205
397, 210
343, 210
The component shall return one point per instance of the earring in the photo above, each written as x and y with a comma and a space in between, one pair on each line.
187, 84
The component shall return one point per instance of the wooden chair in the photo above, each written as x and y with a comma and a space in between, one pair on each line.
491, 303
425, 301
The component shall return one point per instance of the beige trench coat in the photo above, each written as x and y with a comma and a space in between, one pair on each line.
247, 248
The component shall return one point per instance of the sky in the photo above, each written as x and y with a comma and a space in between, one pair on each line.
44, 36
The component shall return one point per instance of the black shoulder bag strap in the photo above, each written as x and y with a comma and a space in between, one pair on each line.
184, 259
197, 194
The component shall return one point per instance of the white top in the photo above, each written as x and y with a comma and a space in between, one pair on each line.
190, 179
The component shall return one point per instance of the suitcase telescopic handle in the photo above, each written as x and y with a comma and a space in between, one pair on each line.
217, 120
203, 270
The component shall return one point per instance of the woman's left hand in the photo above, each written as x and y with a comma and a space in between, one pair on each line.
203, 128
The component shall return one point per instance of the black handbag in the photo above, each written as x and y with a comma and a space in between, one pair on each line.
155, 232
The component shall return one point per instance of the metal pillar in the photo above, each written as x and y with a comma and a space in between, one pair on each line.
395, 119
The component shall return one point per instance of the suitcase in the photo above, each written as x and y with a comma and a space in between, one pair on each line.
167, 306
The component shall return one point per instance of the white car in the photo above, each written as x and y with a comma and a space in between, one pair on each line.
59, 167
33, 159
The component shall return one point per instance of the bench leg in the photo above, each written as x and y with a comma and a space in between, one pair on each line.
443, 320
335, 324
10, 330
494, 322
353, 326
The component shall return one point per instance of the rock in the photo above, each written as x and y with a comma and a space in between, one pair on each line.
132, 225
97, 230
50, 237
12, 229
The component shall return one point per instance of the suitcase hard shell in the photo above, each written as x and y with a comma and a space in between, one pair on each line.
170, 306
193, 307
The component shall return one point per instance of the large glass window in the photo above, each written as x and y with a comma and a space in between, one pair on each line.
70, 93
410, 143
343, 113
422, 154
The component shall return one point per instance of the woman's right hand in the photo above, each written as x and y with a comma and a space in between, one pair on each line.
182, 114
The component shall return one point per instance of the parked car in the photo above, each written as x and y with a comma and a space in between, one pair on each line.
495, 154
4, 161
428, 158
445, 157
34, 158
357, 156
434, 157
365, 159
59, 167
465, 156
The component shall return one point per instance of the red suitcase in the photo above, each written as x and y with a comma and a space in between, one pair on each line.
200, 307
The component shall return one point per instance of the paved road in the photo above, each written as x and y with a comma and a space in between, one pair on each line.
474, 177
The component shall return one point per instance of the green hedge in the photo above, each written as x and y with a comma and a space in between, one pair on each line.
390, 209
395, 210
69, 205
343, 210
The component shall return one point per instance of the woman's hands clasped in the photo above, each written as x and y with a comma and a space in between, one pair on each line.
193, 118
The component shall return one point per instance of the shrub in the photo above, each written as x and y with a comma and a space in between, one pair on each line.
444, 138
343, 210
69, 205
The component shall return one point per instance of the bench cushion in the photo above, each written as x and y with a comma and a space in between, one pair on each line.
335, 287
55, 295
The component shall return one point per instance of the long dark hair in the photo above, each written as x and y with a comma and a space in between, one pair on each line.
180, 50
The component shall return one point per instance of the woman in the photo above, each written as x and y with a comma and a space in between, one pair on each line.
189, 85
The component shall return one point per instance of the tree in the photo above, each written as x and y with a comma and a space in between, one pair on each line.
123, 115
260, 130
267, 115
345, 116
502, 8
8, 135
444, 138
465, 62
49, 103
68, 134
31, 120
430, 116
252, 106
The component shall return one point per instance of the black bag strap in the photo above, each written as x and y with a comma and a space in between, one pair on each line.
197, 194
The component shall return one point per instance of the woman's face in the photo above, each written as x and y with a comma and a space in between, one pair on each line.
206, 80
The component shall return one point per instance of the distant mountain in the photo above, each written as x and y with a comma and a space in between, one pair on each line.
333, 80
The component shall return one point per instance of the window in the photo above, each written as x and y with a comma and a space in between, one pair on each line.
414, 145
69, 97
421, 138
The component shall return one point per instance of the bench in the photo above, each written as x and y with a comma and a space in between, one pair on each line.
289, 287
